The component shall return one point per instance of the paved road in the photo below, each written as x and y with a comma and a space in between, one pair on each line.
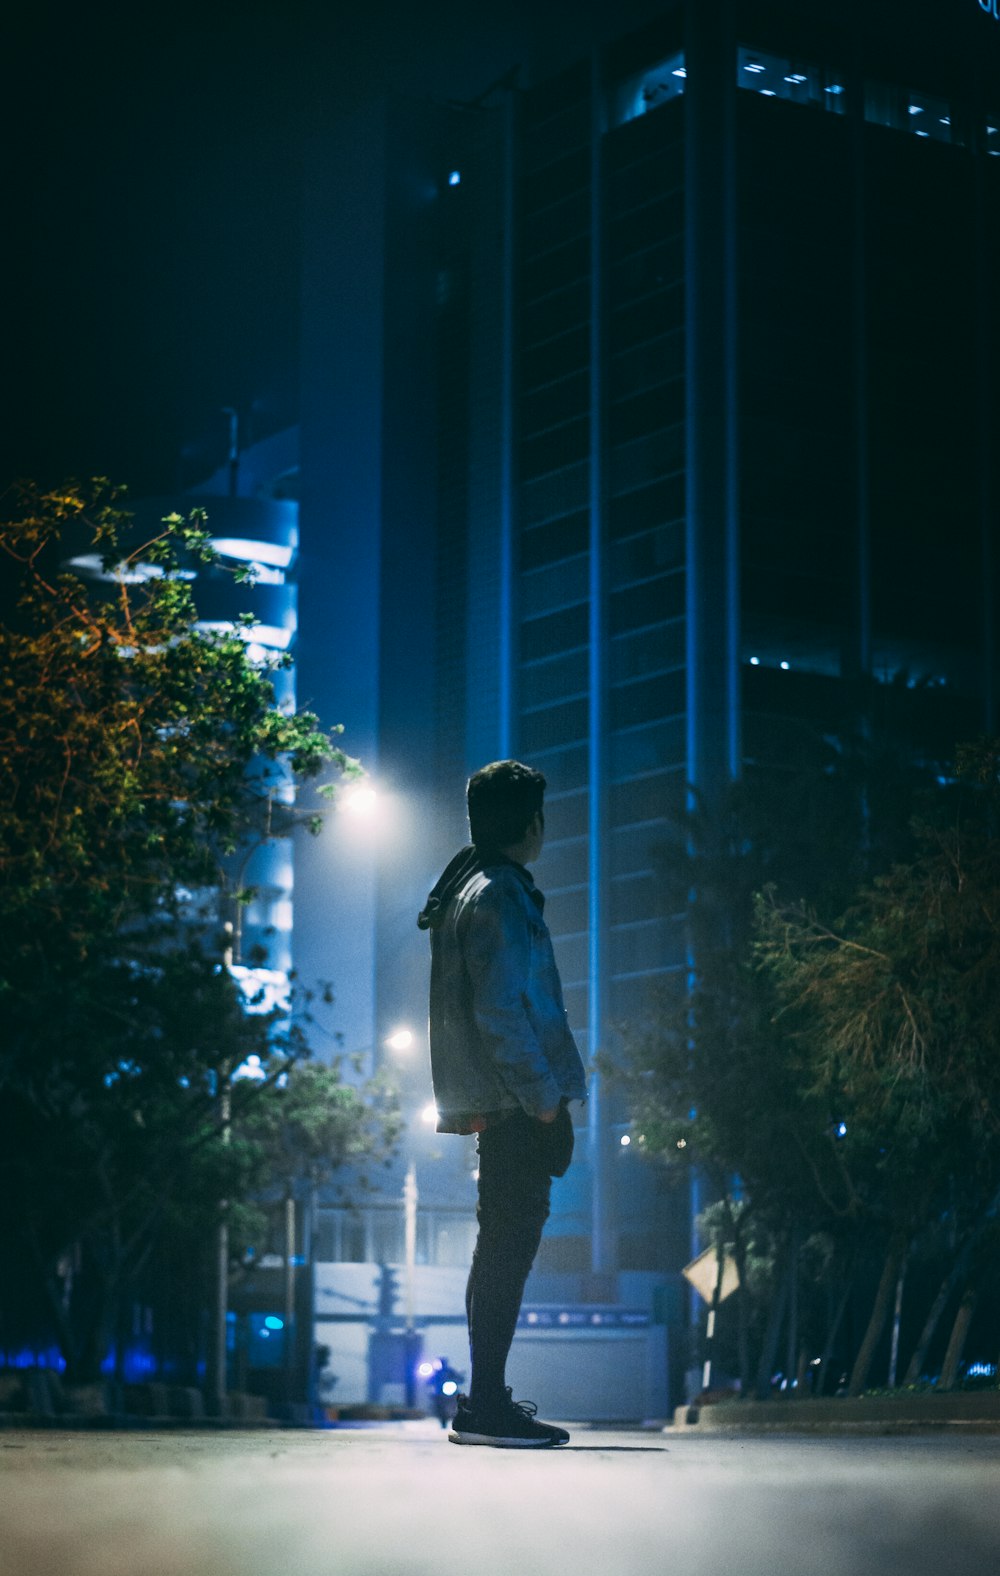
398, 1500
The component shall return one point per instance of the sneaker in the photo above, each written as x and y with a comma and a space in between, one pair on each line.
511, 1426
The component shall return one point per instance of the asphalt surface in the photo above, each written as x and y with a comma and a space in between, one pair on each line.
399, 1500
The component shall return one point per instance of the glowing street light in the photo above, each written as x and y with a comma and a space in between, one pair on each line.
360, 800
400, 1040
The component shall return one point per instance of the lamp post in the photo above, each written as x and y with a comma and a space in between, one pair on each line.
410, 1197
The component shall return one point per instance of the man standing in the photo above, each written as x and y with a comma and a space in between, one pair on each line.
504, 1065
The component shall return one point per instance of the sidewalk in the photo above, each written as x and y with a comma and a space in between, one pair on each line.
400, 1499
915, 1412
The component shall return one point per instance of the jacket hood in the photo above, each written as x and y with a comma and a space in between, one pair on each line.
453, 877
468, 862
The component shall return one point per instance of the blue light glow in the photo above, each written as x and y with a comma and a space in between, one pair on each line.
455, 178
277, 555
841, 1129
449, 1387
272, 1322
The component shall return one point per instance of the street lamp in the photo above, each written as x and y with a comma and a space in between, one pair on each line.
400, 1039
360, 800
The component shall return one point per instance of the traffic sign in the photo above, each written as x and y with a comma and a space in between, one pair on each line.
703, 1270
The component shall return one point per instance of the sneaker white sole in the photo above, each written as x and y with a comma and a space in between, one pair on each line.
500, 1443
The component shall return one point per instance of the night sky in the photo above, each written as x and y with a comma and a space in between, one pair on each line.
153, 227
153, 202
153, 213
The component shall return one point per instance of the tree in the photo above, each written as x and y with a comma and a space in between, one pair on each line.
716, 1078
895, 1010
140, 757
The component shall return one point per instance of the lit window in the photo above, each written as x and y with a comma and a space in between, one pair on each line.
648, 90
904, 109
277, 554
774, 77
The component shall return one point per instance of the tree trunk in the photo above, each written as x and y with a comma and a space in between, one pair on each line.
879, 1314
897, 1319
956, 1343
735, 1231
801, 1369
742, 1316
831, 1335
791, 1349
121, 1326
946, 1288
99, 1334
937, 1308
64, 1331
775, 1319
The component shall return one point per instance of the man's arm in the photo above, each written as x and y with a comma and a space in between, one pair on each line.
497, 950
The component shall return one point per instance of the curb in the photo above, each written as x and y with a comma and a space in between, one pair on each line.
929, 1413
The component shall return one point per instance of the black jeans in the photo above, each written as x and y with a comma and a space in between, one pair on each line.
517, 1159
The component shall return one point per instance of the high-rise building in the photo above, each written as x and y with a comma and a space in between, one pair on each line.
650, 404
251, 507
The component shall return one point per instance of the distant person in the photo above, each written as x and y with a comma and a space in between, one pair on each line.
504, 1066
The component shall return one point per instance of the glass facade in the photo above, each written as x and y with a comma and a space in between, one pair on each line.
552, 412
644, 542
627, 396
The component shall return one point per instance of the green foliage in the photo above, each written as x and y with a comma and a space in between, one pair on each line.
127, 733
895, 1009
307, 1121
141, 760
833, 1059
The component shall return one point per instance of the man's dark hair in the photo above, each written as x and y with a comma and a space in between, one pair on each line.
503, 799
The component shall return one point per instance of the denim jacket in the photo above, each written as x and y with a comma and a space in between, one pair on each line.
498, 1031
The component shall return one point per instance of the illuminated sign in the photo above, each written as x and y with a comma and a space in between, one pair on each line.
992, 7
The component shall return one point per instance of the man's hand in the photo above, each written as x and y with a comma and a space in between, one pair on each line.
549, 1116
